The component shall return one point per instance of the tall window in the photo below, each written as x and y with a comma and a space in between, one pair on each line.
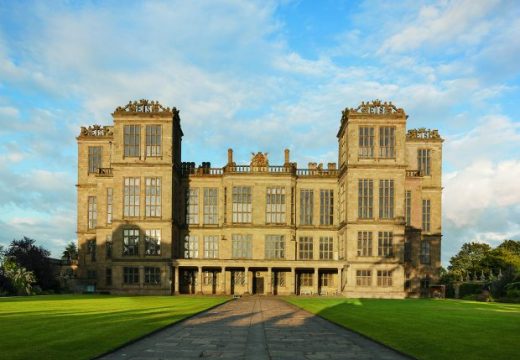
210, 206
192, 206
130, 242
242, 204
326, 207
152, 275
152, 242
209, 278
132, 140
384, 278
408, 207
342, 209
425, 255
385, 244
365, 198
94, 158
364, 243
153, 197
241, 246
211, 246
130, 275
274, 247
424, 161
306, 202
387, 142
110, 199
363, 277
108, 247
191, 247
108, 276
386, 199
153, 140
131, 196
91, 249
92, 212
275, 205
366, 142
305, 248
426, 208
326, 248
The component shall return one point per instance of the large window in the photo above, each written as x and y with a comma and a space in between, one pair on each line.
152, 242
153, 140
426, 208
424, 161
94, 158
132, 140
306, 279
385, 244
408, 207
152, 275
326, 248
153, 197
386, 199
131, 242
384, 278
91, 249
306, 205
110, 203
365, 198
363, 277
366, 142
238, 278
92, 212
275, 205
210, 206
108, 247
326, 207
192, 206
131, 196
387, 142
305, 248
364, 243
425, 255
211, 246
241, 246
326, 279
274, 247
191, 247
242, 204
130, 275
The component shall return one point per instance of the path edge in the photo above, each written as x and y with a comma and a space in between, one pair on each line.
139, 338
352, 330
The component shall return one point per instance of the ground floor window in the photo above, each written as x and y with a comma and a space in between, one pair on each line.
384, 278
306, 279
131, 275
152, 275
108, 276
239, 278
278, 278
209, 278
91, 274
326, 279
363, 277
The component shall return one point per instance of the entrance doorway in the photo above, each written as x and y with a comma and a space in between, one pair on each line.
188, 281
258, 285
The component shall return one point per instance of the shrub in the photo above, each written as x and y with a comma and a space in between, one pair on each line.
469, 289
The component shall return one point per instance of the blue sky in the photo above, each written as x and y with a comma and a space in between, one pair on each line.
260, 76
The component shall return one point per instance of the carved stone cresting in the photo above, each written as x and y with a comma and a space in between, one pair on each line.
423, 134
144, 106
259, 160
96, 131
374, 107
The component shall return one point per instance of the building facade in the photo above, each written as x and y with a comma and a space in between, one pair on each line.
149, 223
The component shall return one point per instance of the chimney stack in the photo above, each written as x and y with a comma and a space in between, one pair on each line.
286, 157
230, 156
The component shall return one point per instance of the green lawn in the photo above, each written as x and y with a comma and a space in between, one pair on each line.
80, 327
428, 329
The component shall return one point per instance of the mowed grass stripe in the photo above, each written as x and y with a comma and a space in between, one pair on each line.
81, 327
428, 329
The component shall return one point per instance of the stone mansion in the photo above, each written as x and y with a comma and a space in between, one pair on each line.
149, 223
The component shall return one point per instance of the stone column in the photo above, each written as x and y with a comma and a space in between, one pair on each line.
199, 279
315, 280
293, 281
269, 282
176, 279
223, 280
246, 279
340, 280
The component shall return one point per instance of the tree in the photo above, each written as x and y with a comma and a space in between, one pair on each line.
19, 277
70, 252
33, 258
504, 258
469, 259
